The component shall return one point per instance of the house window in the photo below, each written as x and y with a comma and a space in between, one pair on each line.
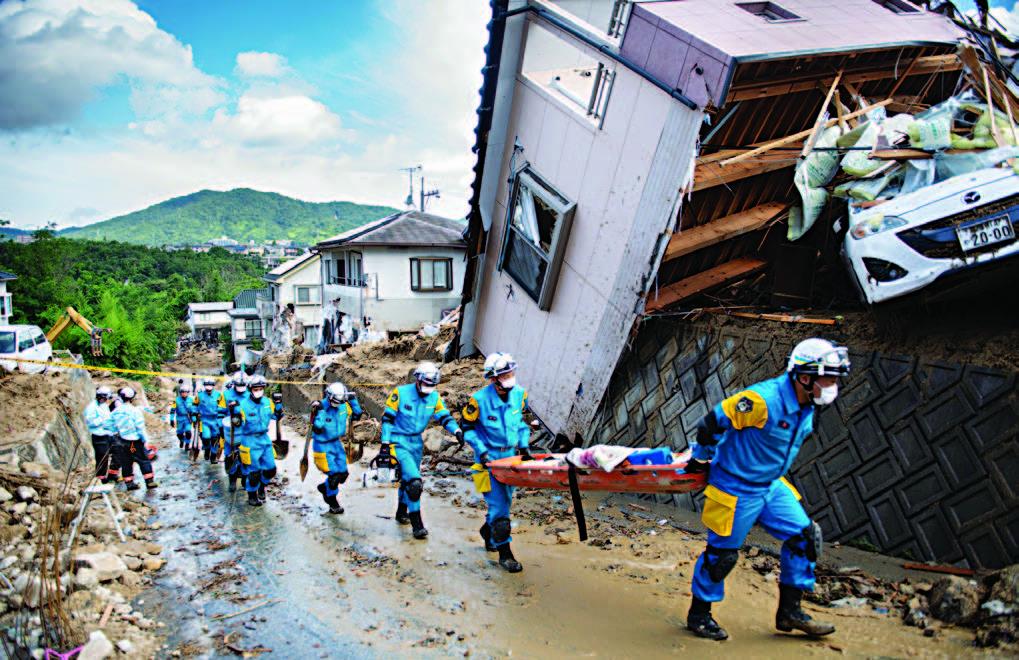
431, 274
252, 328
769, 11
5, 305
349, 271
898, 6
537, 229
306, 295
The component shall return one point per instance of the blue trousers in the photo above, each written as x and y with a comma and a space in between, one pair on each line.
231, 463
211, 432
500, 498
183, 424
776, 508
258, 461
408, 454
331, 460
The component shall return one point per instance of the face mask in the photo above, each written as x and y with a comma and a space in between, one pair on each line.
426, 389
257, 394
508, 383
240, 389
208, 388
828, 395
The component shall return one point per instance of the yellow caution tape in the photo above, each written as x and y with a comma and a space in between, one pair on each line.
167, 374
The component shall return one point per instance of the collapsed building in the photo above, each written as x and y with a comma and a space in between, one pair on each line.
658, 185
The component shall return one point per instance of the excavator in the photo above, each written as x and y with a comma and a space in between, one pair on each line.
70, 316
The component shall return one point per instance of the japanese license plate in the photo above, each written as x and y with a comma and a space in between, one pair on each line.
995, 230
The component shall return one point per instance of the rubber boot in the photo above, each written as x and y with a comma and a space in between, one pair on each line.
133, 485
232, 488
261, 493
253, 499
401, 514
791, 616
486, 533
418, 527
334, 505
150, 484
700, 622
507, 560
322, 489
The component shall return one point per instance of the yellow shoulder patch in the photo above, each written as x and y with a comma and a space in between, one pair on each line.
746, 409
440, 406
393, 402
471, 410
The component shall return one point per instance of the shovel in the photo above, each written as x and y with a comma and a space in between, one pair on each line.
307, 441
196, 437
279, 445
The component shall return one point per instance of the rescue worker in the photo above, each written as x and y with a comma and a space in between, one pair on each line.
408, 410
207, 404
328, 428
97, 418
130, 423
235, 392
181, 414
253, 417
751, 440
494, 426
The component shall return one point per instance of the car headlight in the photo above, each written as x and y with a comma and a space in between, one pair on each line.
876, 224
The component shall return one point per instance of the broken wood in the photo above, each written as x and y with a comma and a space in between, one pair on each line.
710, 172
930, 64
808, 146
900, 154
786, 318
722, 229
720, 275
220, 617
105, 618
990, 108
939, 568
789, 139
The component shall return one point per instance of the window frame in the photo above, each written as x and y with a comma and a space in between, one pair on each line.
258, 324
6, 308
415, 269
310, 288
564, 208
25, 341
900, 7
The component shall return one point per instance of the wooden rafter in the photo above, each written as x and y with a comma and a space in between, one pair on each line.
722, 229
689, 287
710, 172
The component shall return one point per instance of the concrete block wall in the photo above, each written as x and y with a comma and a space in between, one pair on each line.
917, 457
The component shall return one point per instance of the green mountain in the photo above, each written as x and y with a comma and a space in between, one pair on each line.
241, 214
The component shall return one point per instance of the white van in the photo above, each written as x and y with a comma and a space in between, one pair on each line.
24, 341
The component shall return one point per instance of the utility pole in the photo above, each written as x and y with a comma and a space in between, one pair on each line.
409, 202
434, 192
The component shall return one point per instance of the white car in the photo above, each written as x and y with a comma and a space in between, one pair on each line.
909, 242
24, 341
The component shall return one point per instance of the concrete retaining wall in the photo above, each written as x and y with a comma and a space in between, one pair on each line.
917, 458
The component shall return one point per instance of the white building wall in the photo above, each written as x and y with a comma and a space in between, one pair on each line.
5, 317
625, 179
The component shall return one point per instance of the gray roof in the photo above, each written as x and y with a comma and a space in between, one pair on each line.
247, 298
409, 228
5, 276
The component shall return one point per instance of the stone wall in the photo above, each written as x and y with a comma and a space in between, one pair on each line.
918, 458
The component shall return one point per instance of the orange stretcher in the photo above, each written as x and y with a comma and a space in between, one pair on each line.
550, 471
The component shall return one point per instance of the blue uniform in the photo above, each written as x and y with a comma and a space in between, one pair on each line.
759, 432
258, 461
182, 410
405, 418
230, 463
328, 429
208, 405
497, 427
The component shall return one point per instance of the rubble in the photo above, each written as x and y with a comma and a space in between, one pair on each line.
954, 599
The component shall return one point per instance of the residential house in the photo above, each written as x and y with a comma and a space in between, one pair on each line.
612, 200
391, 275
6, 310
245, 325
297, 282
206, 319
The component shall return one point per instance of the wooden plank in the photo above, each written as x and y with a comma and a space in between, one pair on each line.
900, 154
712, 173
789, 139
792, 84
712, 278
721, 229
808, 145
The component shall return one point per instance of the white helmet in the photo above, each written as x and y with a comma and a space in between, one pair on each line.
240, 381
209, 381
498, 364
336, 393
819, 357
127, 393
103, 392
184, 387
427, 373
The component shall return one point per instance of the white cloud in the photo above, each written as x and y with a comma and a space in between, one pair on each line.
55, 54
284, 121
1009, 18
253, 64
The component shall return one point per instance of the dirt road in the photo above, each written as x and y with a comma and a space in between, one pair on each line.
358, 585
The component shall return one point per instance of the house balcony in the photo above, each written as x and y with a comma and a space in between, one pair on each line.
346, 288
266, 307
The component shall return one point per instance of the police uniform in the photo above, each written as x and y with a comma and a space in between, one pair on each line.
404, 419
496, 427
232, 436
328, 429
104, 433
257, 458
761, 430
208, 405
181, 412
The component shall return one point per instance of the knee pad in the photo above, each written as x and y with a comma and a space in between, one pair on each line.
719, 562
501, 530
414, 488
255, 477
807, 543
267, 475
335, 479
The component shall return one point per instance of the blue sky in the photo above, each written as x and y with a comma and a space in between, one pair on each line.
118, 104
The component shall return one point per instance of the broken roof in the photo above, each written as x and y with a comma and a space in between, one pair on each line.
406, 229
287, 266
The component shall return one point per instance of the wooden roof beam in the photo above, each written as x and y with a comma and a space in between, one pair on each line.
722, 229
712, 278
710, 172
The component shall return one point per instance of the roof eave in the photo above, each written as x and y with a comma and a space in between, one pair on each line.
809, 52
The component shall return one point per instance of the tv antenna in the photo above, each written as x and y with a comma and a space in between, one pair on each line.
410, 183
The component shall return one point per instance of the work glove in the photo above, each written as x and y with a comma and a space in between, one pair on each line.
525, 454
484, 459
695, 467
173, 420
459, 435
316, 405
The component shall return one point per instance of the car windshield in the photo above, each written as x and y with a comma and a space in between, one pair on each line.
7, 341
